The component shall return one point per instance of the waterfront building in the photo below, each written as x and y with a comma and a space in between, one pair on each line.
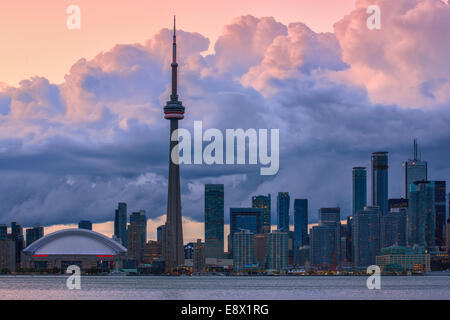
359, 189
152, 251
413, 170
380, 191
277, 251
300, 223
394, 227
264, 203
214, 220
366, 236
140, 219
120, 223
261, 241
199, 256
403, 259
440, 205
135, 244
33, 234
283, 204
422, 215
7, 255
244, 251
85, 248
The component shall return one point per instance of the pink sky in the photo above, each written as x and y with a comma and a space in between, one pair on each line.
36, 41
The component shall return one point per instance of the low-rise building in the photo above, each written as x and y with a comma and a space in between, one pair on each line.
396, 258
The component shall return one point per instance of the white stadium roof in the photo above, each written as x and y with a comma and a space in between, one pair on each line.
75, 242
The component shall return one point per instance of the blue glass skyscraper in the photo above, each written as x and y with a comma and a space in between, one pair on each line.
264, 202
380, 189
283, 203
359, 185
422, 214
120, 223
300, 223
366, 236
214, 220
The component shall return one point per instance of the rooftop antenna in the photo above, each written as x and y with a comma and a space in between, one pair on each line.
415, 149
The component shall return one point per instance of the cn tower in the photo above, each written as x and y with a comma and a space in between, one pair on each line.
174, 111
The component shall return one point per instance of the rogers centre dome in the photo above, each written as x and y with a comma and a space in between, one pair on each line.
82, 247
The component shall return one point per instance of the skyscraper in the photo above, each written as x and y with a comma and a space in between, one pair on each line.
244, 219
366, 236
300, 223
394, 227
277, 250
359, 185
283, 203
323, 246
141, 220
214, 220
17, 237
174, 111
380, 189
413, 170
3, 231
422, 214
33, 234
243, 250
120, 223
440, 203
135, 245
264, 202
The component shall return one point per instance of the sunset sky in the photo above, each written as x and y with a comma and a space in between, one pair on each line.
81, 122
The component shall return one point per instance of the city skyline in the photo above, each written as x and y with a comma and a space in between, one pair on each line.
98, 136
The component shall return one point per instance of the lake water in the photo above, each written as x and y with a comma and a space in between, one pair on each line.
232, 288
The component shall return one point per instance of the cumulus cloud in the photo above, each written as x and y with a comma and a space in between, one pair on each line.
406, 61
72, 151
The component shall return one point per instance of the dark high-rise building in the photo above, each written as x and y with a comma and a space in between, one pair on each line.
413, 170
300, 223
359, 185
135, 245
261, 241
33, 234
380, 191
349, 239
422, 214
394, 227
330, 218
159, 233
214, 220
283, 204
85, 224
244, 219
440, 203
3, 231
366, 236
174, 111
120, 223
17, 236
199, 257
140, 219
264, 202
